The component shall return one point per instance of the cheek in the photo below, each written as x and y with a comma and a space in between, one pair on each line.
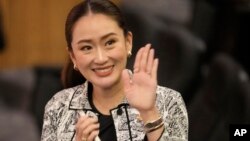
82, 60
120, 57
119, 53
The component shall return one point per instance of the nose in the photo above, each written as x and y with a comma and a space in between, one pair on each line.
101, 56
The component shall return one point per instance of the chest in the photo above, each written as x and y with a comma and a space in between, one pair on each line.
126, 123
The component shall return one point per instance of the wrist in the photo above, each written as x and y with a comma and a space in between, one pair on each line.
149, 115
153, 125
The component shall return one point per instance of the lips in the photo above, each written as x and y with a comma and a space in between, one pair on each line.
103, 71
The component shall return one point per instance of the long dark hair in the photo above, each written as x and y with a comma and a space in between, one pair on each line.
71, 77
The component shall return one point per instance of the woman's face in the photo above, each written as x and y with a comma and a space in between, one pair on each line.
100, 49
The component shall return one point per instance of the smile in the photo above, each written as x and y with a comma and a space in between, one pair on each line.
103, 71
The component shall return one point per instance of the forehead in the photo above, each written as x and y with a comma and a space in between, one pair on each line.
95, 25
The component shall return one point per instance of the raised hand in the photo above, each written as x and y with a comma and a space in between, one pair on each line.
140, 89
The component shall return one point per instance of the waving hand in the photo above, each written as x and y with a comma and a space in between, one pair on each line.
140, 89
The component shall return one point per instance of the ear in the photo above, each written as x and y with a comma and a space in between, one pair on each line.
129, 41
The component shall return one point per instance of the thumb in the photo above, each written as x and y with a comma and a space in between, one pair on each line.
126, 76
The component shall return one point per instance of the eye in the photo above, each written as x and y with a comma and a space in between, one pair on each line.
110, 42
86, 48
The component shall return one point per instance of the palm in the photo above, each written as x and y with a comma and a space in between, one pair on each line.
140, 89
141, 94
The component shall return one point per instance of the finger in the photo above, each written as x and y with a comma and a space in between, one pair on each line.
150, 61
155, 69
78, 127
80, 122
78, 136
91, 128
137, 60
144, 58
93, 135
126, 79
81, 119
83, 123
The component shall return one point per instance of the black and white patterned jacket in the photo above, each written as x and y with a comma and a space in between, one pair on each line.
62, 110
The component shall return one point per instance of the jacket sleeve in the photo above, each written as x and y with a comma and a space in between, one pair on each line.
175, 116
49, 123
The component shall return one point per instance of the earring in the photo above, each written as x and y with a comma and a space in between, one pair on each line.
75, 68
129, 54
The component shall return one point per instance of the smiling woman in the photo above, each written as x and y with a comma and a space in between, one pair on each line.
108, 102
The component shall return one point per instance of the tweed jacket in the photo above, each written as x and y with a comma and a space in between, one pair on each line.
62, 111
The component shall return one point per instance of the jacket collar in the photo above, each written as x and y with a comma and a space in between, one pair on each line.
80, 101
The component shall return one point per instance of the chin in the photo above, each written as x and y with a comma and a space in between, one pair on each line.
105, 83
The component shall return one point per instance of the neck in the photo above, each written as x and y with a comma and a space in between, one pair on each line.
107, 99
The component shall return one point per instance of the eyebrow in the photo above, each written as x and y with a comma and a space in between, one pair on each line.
89, 40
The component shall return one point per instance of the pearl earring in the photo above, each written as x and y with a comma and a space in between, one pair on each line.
129, 54
75, 67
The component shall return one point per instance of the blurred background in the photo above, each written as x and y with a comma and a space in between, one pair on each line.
203, 47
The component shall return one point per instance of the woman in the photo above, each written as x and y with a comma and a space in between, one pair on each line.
113, 103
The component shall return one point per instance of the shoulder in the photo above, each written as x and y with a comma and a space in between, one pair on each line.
167, 93
61, 98
170, 100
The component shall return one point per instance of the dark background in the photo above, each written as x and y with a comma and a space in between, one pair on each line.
203, 47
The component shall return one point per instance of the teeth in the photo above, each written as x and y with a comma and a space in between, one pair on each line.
104, 70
